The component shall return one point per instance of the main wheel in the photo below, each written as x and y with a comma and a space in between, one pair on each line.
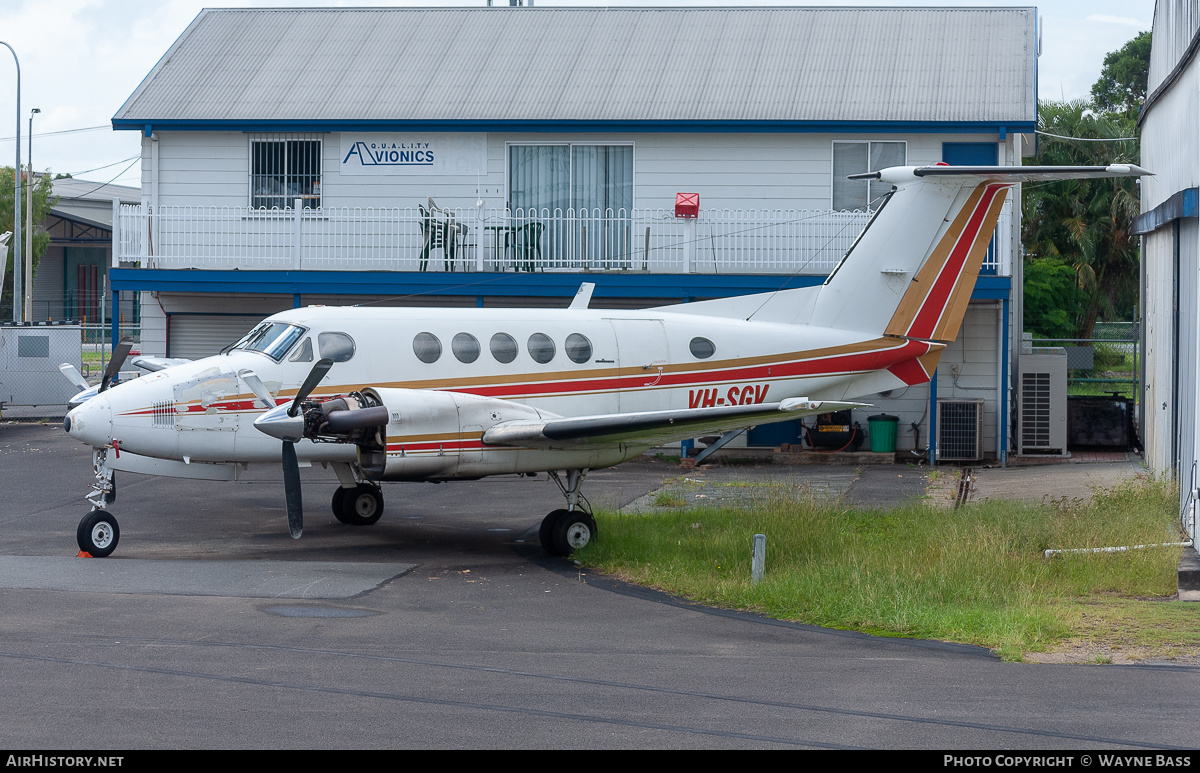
546, 530
571, 530
98, 533
339, 497
361, 506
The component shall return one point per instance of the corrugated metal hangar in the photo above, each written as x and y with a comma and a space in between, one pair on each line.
1171, 249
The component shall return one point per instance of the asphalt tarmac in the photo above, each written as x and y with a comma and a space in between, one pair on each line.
445, 626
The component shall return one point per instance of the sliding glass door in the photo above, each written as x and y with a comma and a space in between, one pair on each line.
576, 199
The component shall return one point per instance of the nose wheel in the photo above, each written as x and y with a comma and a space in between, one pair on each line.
98, 533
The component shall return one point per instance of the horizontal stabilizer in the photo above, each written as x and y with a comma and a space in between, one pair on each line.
899, 174
652, 427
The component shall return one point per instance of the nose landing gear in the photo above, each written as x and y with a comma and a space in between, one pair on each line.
98, 532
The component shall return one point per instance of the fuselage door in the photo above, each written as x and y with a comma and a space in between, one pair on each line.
642, 357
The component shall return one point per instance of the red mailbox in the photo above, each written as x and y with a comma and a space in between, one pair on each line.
687, 205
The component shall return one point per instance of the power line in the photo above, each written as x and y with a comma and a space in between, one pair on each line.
101, 185
106, 166
1085, 139
62, 131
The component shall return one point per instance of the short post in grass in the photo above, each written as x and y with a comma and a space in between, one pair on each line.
758, 558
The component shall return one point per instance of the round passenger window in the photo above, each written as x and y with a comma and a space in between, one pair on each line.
465, 347
504, 347
702, 348
541, 348
579, 348
427, 347
338, 347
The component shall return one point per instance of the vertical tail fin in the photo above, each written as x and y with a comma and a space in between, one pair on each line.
934, 305
912, 272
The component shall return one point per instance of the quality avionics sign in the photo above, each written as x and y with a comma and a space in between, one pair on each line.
408, 154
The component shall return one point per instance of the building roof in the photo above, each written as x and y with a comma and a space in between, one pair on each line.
89, 202
632, 67
73, 190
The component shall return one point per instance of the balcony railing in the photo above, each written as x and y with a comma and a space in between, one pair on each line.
653, 241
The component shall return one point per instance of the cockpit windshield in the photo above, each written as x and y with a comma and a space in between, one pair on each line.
271, 338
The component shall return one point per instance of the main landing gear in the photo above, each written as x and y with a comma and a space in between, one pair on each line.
358, 506
98, 532
564, 531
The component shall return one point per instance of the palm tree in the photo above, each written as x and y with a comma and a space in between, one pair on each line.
1086, 223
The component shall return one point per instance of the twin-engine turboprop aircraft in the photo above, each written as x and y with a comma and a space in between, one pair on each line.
418, 394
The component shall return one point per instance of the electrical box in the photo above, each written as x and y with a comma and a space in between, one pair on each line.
29, 359
1042, 401
687, 205
960, 430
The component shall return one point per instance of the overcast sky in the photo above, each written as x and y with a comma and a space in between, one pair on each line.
80, 60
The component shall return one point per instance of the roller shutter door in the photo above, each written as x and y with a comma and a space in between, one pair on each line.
199, 335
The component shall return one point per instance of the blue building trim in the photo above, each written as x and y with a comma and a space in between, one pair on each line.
1183, 204
1000, 128
479, 284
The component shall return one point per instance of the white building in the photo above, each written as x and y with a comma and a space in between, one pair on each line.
557, 140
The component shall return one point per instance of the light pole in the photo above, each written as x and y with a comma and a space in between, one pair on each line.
17, 294
29, 225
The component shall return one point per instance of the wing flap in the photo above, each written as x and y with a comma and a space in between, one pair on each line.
651, 427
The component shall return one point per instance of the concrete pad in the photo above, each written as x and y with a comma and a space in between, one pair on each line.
243, 579
1052, 482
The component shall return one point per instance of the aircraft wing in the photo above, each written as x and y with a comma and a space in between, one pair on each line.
652, 427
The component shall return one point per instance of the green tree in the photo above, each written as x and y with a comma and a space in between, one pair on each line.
1054, 304
1122, 84
1085, 224
43, 200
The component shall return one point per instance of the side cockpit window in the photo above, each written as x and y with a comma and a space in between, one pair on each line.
338, 347
303, 352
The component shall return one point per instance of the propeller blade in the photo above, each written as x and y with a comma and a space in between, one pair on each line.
73, 375
314, 377
118, 359
256, 386
291, 489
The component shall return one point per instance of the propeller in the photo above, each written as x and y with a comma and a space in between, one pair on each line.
120, 352
74, 376
286, 423
265, 398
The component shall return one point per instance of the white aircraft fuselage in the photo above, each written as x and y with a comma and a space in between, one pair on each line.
638, 361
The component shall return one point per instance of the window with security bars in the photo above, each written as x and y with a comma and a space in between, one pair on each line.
283, 170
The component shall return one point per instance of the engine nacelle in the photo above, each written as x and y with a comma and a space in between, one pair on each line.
432, 434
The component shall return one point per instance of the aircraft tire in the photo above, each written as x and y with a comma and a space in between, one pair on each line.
572, 531
546, 531
339, 496
98, 533
362, 505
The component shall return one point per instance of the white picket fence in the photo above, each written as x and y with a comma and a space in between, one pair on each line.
654, 241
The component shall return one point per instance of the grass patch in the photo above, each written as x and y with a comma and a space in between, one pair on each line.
669, 499
975, 575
